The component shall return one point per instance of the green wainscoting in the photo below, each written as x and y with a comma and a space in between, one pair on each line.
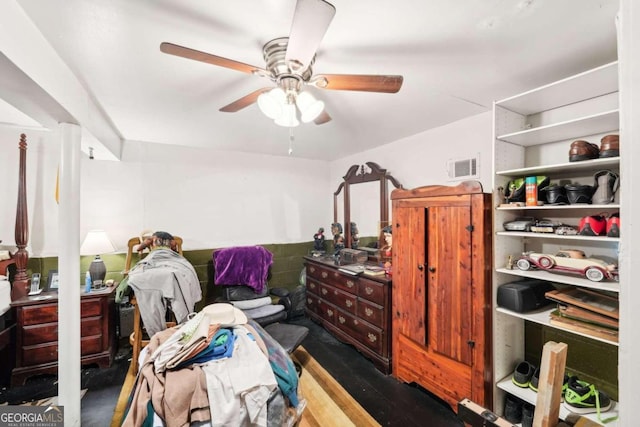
591, 360
285, 271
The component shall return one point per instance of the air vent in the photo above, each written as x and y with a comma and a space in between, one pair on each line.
461, 169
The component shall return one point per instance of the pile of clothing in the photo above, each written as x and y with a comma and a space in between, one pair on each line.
217, 369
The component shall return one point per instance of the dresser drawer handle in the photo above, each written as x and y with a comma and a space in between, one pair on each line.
323, 291
309, 301
335, 274
350, 284
355, 322
312, 285
330, 312
372, 337
368, 290
325, 274
349, 303
312, 269
368, 312
341, 319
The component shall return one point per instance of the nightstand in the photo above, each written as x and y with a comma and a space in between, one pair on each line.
37, 332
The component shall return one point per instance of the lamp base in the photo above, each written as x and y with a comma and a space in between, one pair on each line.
97, 271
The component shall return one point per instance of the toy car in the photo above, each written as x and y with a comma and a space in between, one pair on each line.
519, 224
571, 261
566, 230
544, 226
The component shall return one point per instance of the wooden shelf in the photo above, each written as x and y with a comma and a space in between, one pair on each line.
531, 396
563, 279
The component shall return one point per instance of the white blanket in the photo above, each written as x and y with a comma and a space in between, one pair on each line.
5, 295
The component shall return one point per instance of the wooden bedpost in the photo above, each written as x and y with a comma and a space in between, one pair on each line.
21, 281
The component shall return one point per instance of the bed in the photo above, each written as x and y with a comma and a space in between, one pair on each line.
14, 282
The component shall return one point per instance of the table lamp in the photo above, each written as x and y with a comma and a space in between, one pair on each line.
97, 242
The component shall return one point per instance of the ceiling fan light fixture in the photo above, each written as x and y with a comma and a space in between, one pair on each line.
271, 103
310, 108
288, 117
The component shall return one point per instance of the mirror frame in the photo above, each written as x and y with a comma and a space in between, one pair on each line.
359, 174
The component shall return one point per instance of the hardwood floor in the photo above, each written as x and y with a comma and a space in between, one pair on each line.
388, 401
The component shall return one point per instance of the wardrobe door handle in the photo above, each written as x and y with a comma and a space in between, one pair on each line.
420, 267
432, 269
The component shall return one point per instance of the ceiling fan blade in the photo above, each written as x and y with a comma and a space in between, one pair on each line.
310, 22
245, 101
359, 82
185, 52
323, 118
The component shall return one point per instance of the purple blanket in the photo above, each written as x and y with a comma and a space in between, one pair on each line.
242, 265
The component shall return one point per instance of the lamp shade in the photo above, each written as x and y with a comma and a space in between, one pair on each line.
309, 107
271, 103
96, 242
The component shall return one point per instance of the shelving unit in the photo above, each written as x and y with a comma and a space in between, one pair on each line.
533, 132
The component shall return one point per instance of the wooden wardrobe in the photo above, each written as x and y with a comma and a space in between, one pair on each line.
441, 292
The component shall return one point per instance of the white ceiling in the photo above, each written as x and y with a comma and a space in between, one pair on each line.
456, 58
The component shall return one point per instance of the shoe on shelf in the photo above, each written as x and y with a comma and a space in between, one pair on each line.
605, 185
594, 225
522, 374
535, 379
513, 409
582, 397
527, 415
613, 225
610, 146
583, 150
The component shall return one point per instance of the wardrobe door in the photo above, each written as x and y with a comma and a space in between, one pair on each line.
448, 270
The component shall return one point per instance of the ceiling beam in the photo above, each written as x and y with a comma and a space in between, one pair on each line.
39, 83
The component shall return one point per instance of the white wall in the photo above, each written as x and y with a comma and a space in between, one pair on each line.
211, 199
214, 199
421, 159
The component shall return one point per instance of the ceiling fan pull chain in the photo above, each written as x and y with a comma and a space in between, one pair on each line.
291, 141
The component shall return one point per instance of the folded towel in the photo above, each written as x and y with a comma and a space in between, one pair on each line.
242, 265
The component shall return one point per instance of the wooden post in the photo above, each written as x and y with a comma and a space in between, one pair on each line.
21, 281
554, 359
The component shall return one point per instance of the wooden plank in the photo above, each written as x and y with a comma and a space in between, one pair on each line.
552, 366
328, 403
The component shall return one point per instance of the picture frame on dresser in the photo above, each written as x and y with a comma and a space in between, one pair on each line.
52, 281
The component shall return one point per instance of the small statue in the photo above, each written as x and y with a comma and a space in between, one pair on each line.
354, 236
386, 250
318, 241
338, 239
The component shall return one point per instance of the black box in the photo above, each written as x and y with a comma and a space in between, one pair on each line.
525, 295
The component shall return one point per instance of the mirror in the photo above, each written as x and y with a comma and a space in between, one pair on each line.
366, 204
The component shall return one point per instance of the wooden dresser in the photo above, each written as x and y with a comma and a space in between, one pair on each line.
355, 309
37, 332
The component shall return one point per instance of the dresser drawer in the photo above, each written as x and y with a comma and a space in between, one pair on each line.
371, 291
38, 314
313, 303
372, 313
364, 332
47, 353
313, 287
327, 311
333, 277
343, 300
47, 313
48, 332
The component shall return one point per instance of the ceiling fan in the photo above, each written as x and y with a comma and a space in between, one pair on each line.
288, 64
